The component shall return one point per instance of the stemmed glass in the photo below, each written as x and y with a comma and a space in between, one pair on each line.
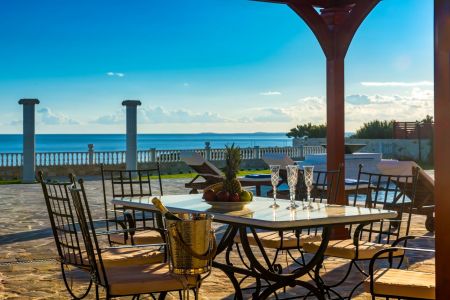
292, 176
275, 178
308, 174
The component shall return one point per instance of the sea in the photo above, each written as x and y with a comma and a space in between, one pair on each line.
12, 143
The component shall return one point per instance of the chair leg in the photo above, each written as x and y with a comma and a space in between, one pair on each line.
69, 288
97, 296
162, 296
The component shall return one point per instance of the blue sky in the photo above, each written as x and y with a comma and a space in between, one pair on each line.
204, 65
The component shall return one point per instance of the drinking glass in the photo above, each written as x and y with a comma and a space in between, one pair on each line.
292, 176
275, 178
308, 174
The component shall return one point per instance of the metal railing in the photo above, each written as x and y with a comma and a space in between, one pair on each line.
91, 157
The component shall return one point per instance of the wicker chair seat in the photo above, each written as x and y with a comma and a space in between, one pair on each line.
113, 257
143, 279
141, 237
403, 283
346, 249
272, 239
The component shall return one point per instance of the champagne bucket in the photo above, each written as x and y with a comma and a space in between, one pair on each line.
192, 244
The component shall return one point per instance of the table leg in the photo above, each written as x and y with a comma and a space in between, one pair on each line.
266, 271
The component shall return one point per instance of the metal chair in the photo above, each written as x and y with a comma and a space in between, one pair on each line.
391, 282
69, 242
66, 235
140, 227
369, 238
126, 280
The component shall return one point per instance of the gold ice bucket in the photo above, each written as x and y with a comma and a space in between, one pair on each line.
192, 244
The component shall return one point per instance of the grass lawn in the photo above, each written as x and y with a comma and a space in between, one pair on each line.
12, 181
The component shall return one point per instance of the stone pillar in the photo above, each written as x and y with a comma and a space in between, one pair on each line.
91, 153
208, 150
131, 111
29, 143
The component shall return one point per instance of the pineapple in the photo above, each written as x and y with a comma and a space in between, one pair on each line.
233, 160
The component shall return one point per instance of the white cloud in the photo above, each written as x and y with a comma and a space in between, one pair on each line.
270, 93
118, 74
396, 83
270, 115
46, 116
359, 109
357, 99
159, 115
115, 118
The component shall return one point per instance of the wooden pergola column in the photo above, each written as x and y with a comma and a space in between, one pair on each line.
334, 23
442, 144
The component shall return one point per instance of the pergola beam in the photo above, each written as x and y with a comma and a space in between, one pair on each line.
442, 144
334, 26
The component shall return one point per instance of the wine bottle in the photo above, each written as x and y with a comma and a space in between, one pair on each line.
164, 211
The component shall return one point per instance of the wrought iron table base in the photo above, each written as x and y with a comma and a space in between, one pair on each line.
267, 271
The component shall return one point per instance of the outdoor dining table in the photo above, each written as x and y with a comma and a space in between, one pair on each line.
257, 215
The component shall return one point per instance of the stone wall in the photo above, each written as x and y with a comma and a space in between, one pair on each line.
411, 149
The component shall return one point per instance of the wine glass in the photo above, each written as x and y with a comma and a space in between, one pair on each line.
308, 174
275, 178
292, 176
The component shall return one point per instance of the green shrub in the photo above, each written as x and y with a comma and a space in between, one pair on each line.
375, 130
309, 130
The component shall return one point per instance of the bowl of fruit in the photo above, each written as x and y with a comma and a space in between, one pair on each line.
228, 195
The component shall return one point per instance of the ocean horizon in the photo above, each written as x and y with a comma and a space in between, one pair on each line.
12, 143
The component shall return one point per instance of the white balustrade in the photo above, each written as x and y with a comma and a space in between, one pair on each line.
147, 156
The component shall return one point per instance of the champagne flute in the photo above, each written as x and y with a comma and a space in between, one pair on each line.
308, 174
292, 175
275, 178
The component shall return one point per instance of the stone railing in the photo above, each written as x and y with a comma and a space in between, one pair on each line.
11, 159
91, 157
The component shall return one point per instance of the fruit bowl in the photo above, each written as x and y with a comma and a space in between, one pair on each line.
227, 206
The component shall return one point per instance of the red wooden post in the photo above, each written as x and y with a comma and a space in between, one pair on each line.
336, 119
442, 144
334, 25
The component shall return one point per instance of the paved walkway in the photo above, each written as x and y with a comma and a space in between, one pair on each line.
25, 235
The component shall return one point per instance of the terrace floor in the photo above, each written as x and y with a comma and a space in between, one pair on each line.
25, 235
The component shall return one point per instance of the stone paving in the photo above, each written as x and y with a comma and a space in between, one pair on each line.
25, 236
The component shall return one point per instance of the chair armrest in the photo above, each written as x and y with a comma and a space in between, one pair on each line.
390, 250
136, 246
410, 237
112, 231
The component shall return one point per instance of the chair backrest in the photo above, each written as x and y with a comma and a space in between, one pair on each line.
128, 183
385, 191
87, 228
63, 220
325, 186
200, 165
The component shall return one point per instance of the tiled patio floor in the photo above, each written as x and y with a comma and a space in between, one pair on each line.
25, 235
